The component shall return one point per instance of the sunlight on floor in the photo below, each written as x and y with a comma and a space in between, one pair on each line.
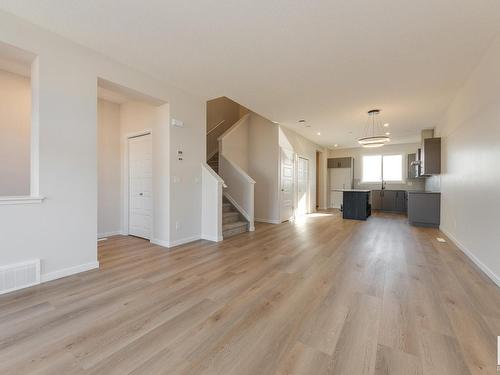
303, 218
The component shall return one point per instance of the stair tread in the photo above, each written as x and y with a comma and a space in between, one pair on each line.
236, 224
230, 213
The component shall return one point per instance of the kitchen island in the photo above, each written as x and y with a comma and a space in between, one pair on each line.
356, 204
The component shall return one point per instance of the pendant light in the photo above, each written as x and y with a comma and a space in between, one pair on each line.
374, 136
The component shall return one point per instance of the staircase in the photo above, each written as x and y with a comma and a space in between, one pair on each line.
232, 221
213, 162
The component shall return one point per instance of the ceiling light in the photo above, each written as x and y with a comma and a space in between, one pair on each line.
275, 122
386, 125
372, 136
318, 133
335, 145
387, 133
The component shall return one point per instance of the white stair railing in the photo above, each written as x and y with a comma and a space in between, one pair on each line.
211, 205
239, 190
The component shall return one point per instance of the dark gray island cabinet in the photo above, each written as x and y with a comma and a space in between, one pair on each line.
356, 204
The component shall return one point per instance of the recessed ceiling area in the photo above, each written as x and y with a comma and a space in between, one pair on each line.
327, 62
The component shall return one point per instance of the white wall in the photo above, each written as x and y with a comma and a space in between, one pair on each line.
470, 180
264, 167
109, 169
62, 230
358, 152
235, 142
15, 134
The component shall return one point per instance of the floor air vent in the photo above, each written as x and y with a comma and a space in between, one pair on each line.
19, 275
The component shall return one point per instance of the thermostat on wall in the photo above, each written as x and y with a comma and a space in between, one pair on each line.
177, 123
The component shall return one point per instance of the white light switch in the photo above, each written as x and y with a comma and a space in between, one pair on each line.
177, 123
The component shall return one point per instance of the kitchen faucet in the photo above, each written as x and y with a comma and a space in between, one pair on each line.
383, 185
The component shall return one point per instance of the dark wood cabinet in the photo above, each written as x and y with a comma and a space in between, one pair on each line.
424, 209
400, 202
431, 156
345, 162
389, 200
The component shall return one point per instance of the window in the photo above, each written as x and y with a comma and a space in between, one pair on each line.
378, 168
372, 168
392, 167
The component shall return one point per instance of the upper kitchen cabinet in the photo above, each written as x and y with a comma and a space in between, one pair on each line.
431, 156
340, 162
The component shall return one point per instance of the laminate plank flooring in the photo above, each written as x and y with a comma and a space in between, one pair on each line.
318, 296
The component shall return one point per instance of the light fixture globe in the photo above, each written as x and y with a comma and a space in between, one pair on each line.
373, 137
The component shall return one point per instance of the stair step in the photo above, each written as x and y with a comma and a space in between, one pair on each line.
227, 207
232, 229
230, 217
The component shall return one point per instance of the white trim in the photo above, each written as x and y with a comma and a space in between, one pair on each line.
69, 271
268, 221
495, 278
109, 234
25, 199
169, 244
214, 175
159, 242
211, 238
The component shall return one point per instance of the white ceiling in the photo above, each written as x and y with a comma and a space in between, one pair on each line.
327, 62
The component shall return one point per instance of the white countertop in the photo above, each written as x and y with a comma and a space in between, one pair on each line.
352, 190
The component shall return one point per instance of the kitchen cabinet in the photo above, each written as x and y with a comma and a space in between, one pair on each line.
400, 202
356, 204
424, 209
345, 162
431, 156
389, 200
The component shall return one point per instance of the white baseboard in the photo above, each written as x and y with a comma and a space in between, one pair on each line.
211, 238
268, 221
158, 242
495, 278
109, 234
167, 244
68, 271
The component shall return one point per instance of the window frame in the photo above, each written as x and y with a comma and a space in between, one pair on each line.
382, 155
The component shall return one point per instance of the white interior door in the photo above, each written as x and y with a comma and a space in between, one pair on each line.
140, 186
286, 183
302, 186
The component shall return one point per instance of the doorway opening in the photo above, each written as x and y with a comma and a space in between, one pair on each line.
127, 123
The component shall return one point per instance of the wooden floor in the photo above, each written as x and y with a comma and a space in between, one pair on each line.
321, 296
